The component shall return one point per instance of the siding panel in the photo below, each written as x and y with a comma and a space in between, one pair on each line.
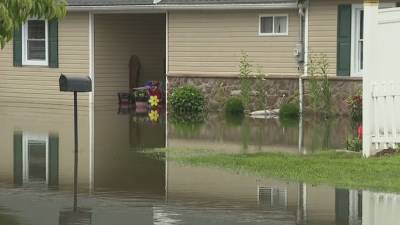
211, 42
39, 85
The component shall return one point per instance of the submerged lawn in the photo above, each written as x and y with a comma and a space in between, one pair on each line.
340, 169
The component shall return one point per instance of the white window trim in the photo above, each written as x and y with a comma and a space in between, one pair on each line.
25, 164
354, 39
25, 60
273, 25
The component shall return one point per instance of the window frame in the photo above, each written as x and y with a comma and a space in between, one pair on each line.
355, 34
25, 161
273, 24
355, 29
25, 60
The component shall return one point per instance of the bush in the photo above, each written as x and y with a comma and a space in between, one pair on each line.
289, 110
186, 99
234, 106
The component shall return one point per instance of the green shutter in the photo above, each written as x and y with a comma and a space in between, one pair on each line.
342, 206
53, 43
344, 40
53, 160
18, 158
17, 47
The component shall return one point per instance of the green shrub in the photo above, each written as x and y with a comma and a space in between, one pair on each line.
234, 106
289, 110
186, 99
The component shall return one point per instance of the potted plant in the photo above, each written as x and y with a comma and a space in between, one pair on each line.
141, 96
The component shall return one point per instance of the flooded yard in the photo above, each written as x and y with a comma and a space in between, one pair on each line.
119, 185
249, 135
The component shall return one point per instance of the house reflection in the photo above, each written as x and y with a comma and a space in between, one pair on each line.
79, 217
118, 185
304, 204
381, 208
36, 148
36, 159
37, 151
118, 165
252, 135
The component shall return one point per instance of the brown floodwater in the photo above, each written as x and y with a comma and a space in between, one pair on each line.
118, 185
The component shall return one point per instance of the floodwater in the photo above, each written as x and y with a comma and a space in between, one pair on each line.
120, 186
250, 135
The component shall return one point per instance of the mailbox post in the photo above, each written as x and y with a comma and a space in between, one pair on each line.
75, 84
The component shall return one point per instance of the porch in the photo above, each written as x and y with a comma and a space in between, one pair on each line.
128, 51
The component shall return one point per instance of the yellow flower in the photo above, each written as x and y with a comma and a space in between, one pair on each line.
154, 115
154, 101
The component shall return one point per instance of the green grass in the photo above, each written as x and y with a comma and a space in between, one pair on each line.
340, 169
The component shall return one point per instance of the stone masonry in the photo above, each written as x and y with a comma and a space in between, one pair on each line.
218, 90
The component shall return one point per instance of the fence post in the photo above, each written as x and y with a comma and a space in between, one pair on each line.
371, 8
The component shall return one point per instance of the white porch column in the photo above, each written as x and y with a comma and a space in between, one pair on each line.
371, 8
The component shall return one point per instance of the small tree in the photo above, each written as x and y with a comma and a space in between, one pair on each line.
261, 100
319, 90
13, 13
245, 69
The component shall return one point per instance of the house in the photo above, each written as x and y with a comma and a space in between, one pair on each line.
196, 42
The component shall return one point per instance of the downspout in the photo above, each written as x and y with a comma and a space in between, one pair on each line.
300, 51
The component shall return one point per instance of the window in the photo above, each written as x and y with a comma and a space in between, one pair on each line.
35, 159
358, 40
35, 42
274, 25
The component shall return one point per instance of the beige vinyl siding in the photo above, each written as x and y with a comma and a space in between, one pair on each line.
117, 38
36, 84
212, 42
323, 28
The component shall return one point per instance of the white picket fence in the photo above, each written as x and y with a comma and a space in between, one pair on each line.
386, 114
381, 82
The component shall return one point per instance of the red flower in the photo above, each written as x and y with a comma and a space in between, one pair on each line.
155, 92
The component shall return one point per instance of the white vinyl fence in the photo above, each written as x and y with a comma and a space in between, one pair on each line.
386, 114
381, 83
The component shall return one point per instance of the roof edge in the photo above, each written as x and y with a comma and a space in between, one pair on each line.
184, 7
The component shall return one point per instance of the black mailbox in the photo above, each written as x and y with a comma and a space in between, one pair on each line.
69, 83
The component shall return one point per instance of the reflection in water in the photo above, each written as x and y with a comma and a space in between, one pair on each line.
75, 217
124, 187
246, 135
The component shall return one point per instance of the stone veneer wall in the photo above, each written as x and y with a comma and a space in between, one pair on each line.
278, 89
